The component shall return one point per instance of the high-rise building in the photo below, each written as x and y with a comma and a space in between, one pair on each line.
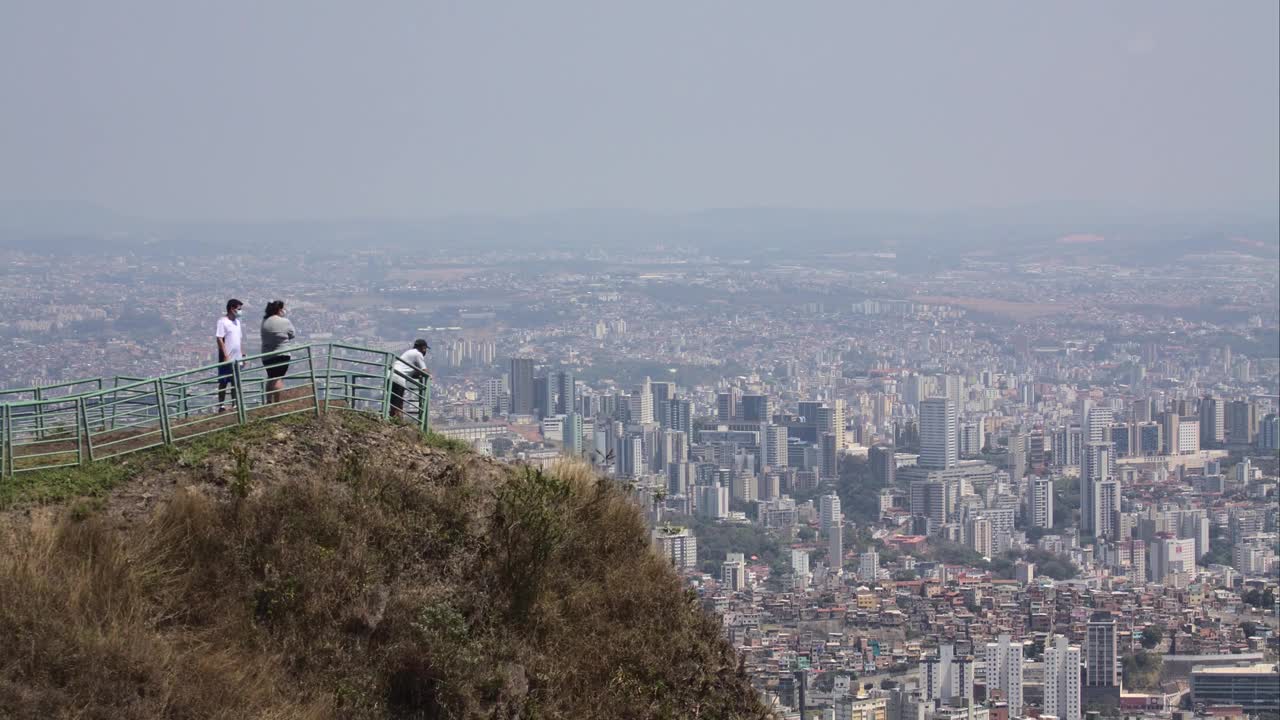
775, 445
978, 533
1167, 555
681, 416
1242, 422
522, 386
1061, 679
1148, 438
832, 521
544, 403
745, 486
1041, 502
1170, 425
1213, 421
727, 406
829, 513
1019, 444
969, 442
1105, 508
1098, 424
948, 676
1097, 469
828, 457
933, 499
884, 466
572, 434
938, 441
1188, 436
566, 393
1102, 662
733, 572
868, 566
831, 420
1269, 432
662, 391
677, 545
756, 408
1004, 671
713, 501
835, 548
800, 567
640, 403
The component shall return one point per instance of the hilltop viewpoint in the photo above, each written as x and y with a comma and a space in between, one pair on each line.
342, 567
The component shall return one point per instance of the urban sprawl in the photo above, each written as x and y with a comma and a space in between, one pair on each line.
999, 488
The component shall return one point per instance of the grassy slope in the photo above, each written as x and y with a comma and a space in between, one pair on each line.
397, 581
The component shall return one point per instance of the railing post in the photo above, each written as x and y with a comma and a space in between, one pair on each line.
84, 427
424, 403
328, 376
166, 434
315, 387
242, 414
386, 390
39, 414
6, 443
115, 400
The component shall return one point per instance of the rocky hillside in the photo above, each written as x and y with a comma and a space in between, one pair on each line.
343, 568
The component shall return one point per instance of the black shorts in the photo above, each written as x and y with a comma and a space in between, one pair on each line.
397, 396
277, 366
226, 372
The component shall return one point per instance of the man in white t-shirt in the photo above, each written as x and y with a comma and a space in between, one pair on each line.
411, 363
230, 350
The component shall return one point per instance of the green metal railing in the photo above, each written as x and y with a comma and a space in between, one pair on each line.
77, 422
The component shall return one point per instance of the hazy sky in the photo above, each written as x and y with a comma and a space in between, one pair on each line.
313, 109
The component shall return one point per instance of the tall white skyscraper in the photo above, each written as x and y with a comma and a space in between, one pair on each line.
1098, 424
1098, 458
835, 549
641, 404
733, 572
829, 511
868, 566
1106, 500
1061, 679
947, 676
775, 448
939, 445
831, 420
800, 567
833, 525
1004, 671
1041, 502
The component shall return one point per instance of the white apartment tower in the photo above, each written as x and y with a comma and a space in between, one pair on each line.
868, 566
641, 404
733, 572
1041, 502
1061, 680
1004, 671
939, 444
947, 676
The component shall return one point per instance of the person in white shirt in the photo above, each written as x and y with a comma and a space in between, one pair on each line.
230, 350
411, 363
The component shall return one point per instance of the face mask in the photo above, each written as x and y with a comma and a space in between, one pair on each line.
238, 313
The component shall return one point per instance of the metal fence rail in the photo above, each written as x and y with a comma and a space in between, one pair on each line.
77, 422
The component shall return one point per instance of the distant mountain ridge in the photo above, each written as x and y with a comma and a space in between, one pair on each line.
1017, 233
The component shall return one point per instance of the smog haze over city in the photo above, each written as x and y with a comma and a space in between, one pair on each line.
920, 331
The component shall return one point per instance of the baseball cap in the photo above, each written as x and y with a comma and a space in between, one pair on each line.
420, 344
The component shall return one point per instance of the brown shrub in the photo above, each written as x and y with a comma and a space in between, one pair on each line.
363, 591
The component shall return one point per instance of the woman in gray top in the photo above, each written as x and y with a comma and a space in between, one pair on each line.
277, 331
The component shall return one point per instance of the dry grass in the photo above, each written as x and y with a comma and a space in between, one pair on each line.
361, 590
